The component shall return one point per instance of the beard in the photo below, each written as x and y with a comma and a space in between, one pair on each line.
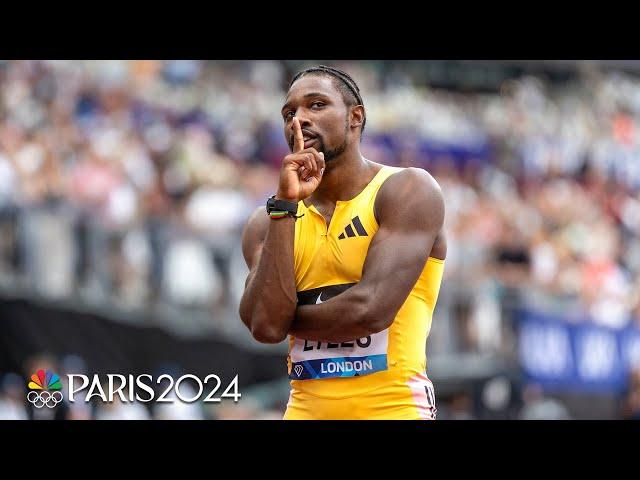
331, 154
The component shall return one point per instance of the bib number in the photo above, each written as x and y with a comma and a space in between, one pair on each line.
315, 360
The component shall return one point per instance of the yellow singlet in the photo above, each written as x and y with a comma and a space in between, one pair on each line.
381, 376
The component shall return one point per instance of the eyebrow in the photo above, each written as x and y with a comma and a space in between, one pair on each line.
307, 95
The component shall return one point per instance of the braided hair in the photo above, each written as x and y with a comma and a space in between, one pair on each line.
347, 85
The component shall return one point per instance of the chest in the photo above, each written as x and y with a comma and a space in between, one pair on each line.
331, 247
325, 212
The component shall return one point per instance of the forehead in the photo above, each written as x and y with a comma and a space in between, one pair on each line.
322, 84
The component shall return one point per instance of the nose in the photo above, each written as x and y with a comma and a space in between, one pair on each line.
302, 117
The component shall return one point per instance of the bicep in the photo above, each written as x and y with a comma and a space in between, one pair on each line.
394, 261
253, 237
411, 213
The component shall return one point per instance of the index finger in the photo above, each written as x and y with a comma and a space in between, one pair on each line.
298, 138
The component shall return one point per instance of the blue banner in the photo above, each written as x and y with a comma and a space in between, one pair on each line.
576, 357
338, 367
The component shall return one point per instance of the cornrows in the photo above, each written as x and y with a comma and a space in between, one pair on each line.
344, 78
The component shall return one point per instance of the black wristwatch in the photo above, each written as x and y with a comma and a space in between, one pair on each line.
277, 205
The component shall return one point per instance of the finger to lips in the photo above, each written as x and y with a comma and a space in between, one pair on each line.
298, 138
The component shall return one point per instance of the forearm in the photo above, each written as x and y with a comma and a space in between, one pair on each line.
343, 318
268, 305
270, 298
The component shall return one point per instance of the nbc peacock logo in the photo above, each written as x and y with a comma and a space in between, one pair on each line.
40, 385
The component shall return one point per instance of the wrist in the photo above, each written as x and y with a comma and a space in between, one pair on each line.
277, 215
279, 208
279, 196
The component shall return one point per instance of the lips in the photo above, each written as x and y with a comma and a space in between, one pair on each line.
309, 138
308, 134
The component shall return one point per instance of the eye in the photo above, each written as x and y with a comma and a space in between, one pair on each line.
317, 104
288, 115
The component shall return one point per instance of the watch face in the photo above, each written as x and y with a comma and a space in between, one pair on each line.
289, 206
273, 204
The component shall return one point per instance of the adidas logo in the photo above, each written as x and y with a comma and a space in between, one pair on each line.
348, 231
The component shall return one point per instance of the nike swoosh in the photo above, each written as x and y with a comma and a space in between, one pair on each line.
318, 300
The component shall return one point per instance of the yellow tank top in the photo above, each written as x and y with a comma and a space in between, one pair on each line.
328, 260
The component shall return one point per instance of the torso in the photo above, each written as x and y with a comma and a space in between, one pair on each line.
330, 247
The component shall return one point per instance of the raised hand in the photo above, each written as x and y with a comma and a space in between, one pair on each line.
301, 171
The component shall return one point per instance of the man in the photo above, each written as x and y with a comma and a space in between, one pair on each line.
347, 261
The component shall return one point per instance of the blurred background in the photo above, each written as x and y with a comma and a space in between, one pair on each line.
116, 257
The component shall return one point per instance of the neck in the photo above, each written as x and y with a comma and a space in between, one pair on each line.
345, 176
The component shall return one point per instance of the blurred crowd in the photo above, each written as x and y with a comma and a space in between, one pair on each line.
131, 181
552, 220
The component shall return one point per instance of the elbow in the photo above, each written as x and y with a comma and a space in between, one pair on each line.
267, 333
375, 322
261, 328
371, 317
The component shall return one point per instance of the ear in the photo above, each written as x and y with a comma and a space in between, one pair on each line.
357, 116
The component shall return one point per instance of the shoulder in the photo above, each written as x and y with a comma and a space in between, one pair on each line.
411, 177
409, 189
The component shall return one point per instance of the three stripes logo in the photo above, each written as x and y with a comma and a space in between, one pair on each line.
349, 230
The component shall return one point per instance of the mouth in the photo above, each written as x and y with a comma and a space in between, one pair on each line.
308, 142
308, 137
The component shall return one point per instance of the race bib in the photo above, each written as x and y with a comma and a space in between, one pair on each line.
311, 359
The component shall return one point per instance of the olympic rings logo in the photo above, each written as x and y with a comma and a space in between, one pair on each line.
49, 399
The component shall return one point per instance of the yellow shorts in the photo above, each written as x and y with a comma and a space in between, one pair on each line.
412, 400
